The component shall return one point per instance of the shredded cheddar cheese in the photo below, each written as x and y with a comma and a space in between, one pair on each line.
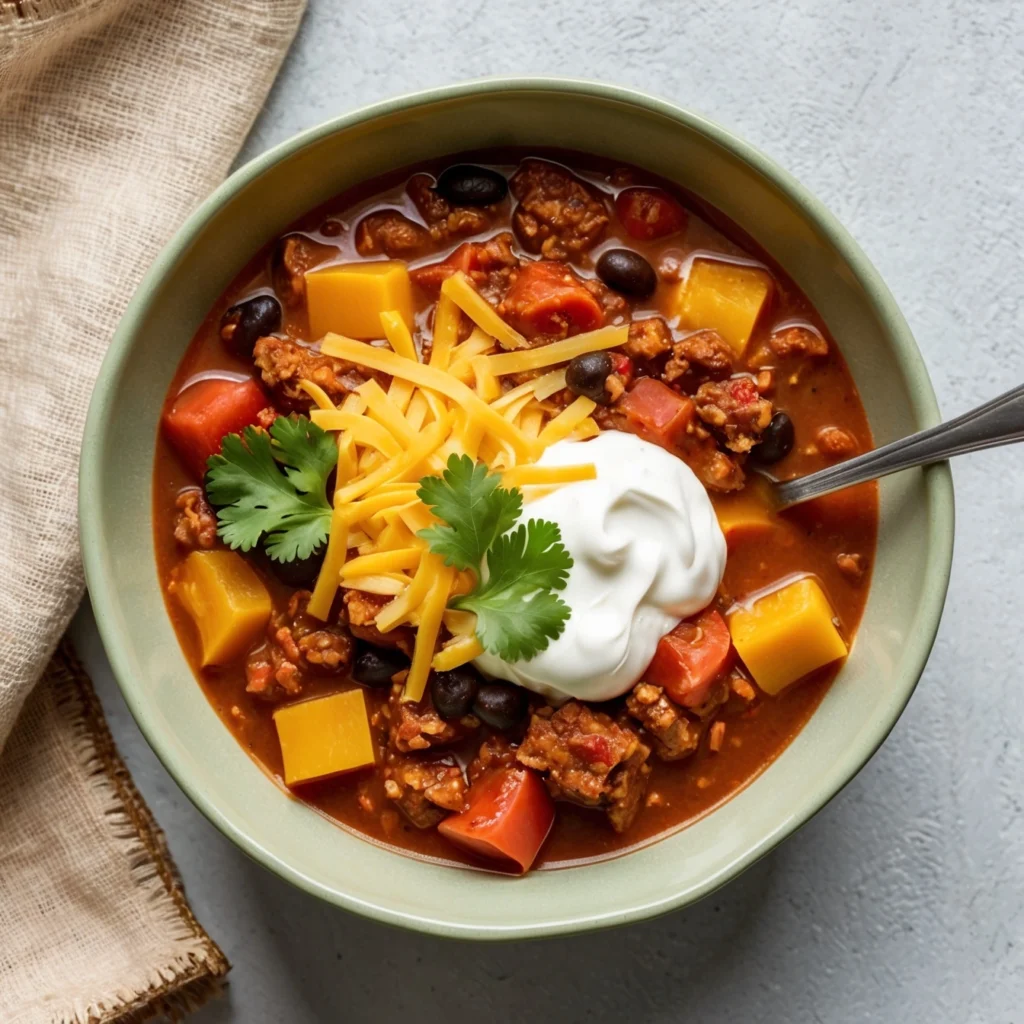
558, 351
453, 403
460, 290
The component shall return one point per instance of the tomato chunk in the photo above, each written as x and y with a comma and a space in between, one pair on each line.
430, 278
205, 411
690, 658
507, 818
648, 213
659, 413
548, 298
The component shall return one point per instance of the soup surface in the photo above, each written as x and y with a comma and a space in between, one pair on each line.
713, 355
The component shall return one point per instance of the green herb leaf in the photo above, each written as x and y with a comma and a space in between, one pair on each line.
274, 486
475, 508
518, 613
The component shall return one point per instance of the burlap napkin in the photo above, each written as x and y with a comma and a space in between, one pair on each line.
116, 117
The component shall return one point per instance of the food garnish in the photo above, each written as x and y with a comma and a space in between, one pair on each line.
517, 612
272, 487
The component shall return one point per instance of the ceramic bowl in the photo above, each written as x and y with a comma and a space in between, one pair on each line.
256, 203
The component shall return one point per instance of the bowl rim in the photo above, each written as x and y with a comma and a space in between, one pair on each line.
938, 481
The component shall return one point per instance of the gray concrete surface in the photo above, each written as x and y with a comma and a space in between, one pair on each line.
904, 899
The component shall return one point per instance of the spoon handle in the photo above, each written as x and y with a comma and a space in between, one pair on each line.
995, 423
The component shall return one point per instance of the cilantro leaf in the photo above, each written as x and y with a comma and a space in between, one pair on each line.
274, 486
475, 508
518, 613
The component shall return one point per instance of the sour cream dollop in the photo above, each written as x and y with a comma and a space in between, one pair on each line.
647, 551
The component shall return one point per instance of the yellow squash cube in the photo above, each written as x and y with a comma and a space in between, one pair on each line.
746, 514
725, 297
786, 634
349, 299
325, 736
227, 601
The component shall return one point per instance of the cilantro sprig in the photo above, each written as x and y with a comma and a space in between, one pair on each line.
475, 508
518, 612
273, 487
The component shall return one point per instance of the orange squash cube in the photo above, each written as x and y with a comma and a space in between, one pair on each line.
324, 736
349, 298
786, 634
724, 297
746, 514
227, 601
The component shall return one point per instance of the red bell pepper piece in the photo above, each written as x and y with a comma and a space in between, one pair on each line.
508, 816
430, 278
656, 411
690, 658
648, 213
548, 298
204, 412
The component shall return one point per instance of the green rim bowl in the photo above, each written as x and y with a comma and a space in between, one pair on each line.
256, 203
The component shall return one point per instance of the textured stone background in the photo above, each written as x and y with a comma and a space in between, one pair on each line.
904, 899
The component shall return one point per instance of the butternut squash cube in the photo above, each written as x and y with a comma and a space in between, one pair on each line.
725, 297
349, 299
227, 601
324, 736
786, 634
746, 514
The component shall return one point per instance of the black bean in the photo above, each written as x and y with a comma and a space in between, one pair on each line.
627, 272
453, 692
500, 705
374, 666
300, 572
586, 375
243, 325
776, 441
467, 185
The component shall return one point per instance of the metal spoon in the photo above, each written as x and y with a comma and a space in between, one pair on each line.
995, 423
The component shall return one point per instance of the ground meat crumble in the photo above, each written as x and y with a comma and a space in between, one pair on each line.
798, 341
494, 752
588, 759
294, 255
424, 790
488, 264
196, 524
297, 643
558, 216
392, 234
283, 363
735, 409
445, 221
416, 725
673, 735
648, 339
836, 443
705, 354
852, 566
361, 611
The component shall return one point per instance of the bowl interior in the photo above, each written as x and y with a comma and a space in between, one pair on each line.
257, 203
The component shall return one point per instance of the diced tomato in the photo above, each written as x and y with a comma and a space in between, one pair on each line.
690, 658
507, 818
622, 366
548, 298
205, 411
659, 413
430, 278
648, 213
593, 749
743, 390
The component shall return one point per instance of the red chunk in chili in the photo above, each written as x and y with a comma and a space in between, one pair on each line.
548, 298
648, 213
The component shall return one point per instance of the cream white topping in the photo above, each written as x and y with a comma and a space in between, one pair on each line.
647, 551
